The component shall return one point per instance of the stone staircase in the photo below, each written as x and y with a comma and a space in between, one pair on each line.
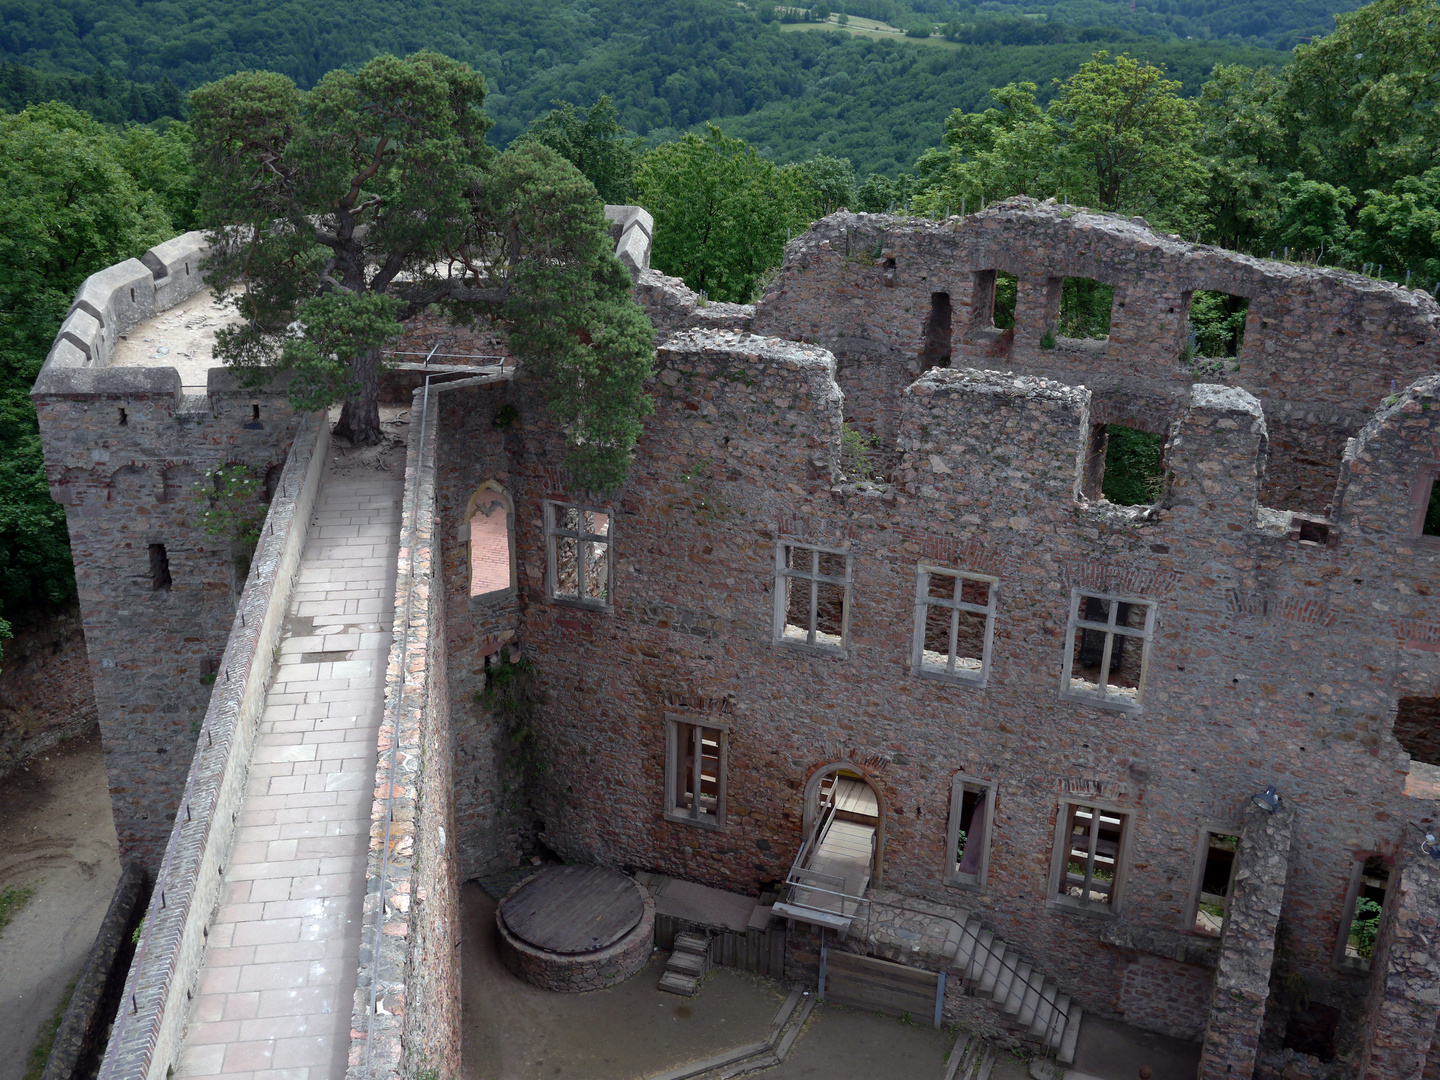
686, 968
920, 933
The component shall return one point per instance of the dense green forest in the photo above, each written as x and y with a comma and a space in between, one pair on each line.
668, 65
736, 133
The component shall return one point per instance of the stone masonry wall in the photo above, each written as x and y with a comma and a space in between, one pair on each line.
1247, 946
1404, 1003
1322, 347
1162, 995
1272, 659
45, 692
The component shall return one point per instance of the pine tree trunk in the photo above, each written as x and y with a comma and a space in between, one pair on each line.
360, 416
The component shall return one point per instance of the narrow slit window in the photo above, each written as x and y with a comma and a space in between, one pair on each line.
1211, 902
1089, 857
255, 411
695, 772
1362, 918
159, 568
972, 816
938, 328
124, 420
812, 596
993, 303
1085, 308
954, 625
580, 554
1431, 524
1108, 649
490, 539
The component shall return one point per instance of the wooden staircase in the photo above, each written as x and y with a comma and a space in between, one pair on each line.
688, 964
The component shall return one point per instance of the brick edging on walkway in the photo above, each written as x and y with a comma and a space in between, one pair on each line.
153, 1008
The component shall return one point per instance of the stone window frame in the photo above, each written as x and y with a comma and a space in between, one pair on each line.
785, 573
471, 509
1054, 900
1338, 958
554, 532
958, 785
1197, 875
924, 600
1074, 623
694, 816
1420, 490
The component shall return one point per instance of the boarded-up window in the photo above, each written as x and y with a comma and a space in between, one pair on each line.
579, 542
972, 814
491, 569
695, 772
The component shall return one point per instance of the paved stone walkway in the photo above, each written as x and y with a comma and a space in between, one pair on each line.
275, 992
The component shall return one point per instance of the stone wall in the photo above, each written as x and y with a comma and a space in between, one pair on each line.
1270, 660
1322, 347
146, 1036
45, 692
124, 449
1404, 1003
1162, 995
1247, 946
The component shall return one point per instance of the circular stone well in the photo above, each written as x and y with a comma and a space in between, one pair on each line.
574, 928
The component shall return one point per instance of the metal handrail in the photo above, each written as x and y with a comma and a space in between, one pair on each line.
870, 903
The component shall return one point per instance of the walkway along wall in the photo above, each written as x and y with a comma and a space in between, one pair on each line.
153, 1009
124, 448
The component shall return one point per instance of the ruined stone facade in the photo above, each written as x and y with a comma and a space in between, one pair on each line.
1280, 591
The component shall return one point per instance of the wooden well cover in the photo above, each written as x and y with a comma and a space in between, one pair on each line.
573, 909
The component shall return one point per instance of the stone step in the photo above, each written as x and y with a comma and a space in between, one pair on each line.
686, 963
1019, 983
1030, 1001
688, 942
955, 936
980, 948
1004, 975
1051, 1012
995, 962
1066, 1056
673, 982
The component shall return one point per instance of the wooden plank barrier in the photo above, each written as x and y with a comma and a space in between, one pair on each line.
760, 951
880, 986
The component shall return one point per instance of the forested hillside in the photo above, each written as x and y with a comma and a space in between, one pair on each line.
668, 65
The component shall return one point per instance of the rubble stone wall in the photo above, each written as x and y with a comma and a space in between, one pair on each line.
1404, 1002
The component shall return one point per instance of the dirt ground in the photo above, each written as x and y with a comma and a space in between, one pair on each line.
182, 337
514, 1031
58, 838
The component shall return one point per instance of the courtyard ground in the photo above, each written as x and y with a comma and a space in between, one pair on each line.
58, 839
515, 1031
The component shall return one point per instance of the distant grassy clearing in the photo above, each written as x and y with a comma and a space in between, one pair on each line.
876, 31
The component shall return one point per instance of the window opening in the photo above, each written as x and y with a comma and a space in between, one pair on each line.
124, 420
1132, 467
954, 625
492, 567
255, 411
579, 544
937, 333
1085, 307
159, 567
1431, 525
1092, 839
695, 773
1217, 324
1417, 728
812, 595
1212, 893
972, 810
1107, 649
1363, 924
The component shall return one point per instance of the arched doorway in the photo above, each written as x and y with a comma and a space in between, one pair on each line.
844, 823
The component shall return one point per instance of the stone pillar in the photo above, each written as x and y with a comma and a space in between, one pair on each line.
1215, 457
1247, 948
1404, 1002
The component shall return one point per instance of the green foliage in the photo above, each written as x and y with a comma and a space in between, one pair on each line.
337, 324
68, 207
229, 506
595, 143
1217, 323
1134, 472
856, 454
1365, 926
513, 696
825, 185
110, 99
1085, 308
12, 899
722, 212
1007, 287
1401, 228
